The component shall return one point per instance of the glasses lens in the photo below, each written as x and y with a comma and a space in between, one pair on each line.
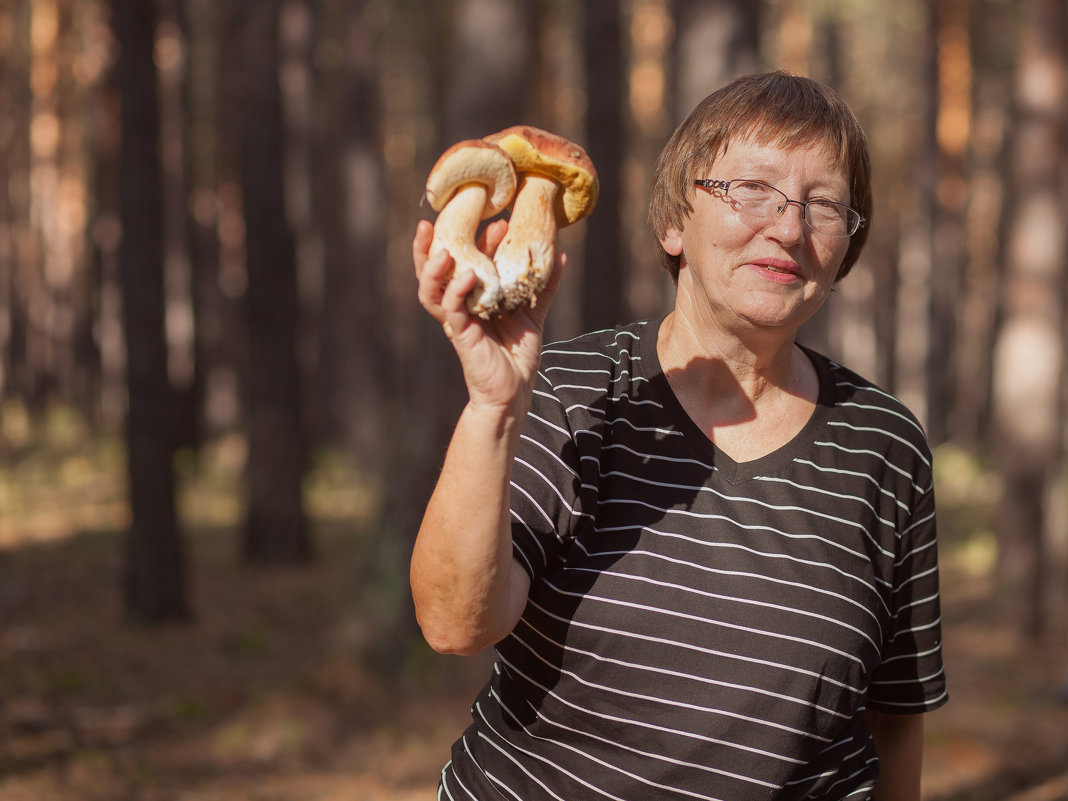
831, 218
756, 199
765, 202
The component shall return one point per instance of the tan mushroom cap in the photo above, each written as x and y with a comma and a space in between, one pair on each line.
472, 161
541, 152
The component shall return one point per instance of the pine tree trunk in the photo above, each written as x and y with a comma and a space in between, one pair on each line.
718, 40
154, 558
351, 204
276, 528
605, 273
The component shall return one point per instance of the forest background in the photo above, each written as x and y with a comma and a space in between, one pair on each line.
222, 409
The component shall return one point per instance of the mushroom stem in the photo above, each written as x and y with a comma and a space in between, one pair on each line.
455, 231
524, 259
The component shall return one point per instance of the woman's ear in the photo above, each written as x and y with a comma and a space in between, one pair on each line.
671, 241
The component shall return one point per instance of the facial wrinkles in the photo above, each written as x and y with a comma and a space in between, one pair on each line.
801, 174
720, 238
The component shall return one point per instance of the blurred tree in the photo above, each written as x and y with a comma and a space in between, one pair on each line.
490, 60
351, 207
604, 274
74, 292
29, 328
14, 155
220, 270
200, 21
716, 41
953, 134
154, 569
993, 55
1029, 354
276, 529
952, 78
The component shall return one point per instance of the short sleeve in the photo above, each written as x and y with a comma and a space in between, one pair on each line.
546, 482
911, 676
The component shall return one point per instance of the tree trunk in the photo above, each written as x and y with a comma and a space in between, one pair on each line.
1029, 354
492, 61
15, 74
200, 21
952, 133
604, 276
915, 348
154, 557
717, 41
276, 529
987, 210
351, 207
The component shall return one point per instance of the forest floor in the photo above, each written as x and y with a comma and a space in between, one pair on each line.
262, 696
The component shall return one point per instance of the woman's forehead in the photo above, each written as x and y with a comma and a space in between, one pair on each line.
813, 155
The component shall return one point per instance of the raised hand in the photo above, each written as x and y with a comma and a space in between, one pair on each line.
499, 356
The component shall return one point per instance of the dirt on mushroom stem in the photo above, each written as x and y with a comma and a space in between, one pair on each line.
524, 259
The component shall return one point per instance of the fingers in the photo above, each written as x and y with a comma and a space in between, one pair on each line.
424, 235
434, 276
443, 290
432, 272
492, 236
455, 292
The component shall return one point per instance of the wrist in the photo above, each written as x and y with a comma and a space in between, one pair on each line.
499, 420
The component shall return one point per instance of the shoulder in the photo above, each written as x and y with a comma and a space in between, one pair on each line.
607, 353
622, 338
867, 410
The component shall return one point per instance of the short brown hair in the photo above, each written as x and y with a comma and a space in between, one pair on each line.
770, 108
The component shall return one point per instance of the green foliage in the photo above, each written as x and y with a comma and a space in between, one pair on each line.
253, 641
69, 679
57, 477
967, 490
211, 492
335, 489
189, 708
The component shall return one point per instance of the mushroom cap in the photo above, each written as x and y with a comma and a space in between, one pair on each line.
536, 151
472, 161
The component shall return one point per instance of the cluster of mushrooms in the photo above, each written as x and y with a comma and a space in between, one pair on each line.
548, 182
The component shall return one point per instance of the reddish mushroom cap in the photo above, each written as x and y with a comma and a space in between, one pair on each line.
541, 152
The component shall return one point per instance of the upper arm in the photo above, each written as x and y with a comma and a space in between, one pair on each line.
899, 747
518, 591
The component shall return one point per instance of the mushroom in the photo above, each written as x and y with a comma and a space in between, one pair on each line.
557, 187
471, 181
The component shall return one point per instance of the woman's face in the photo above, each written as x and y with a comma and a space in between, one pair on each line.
755, 273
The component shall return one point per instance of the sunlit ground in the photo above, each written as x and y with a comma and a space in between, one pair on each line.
264, 697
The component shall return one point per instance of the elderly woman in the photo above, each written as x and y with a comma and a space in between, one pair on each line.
705, 553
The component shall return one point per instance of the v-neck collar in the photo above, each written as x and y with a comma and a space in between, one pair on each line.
730, 470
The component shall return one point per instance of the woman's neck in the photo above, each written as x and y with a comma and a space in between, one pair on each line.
756, 362
749, 402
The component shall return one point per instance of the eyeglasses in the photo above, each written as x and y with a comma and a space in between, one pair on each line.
762, 201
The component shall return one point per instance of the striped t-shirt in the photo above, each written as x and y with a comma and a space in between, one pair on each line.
699, 628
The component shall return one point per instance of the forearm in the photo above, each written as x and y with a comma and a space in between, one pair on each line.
462, 567
899, 746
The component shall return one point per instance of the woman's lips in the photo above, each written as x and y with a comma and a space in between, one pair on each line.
782, 270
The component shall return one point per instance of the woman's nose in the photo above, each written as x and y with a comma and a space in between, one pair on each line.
787, 226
